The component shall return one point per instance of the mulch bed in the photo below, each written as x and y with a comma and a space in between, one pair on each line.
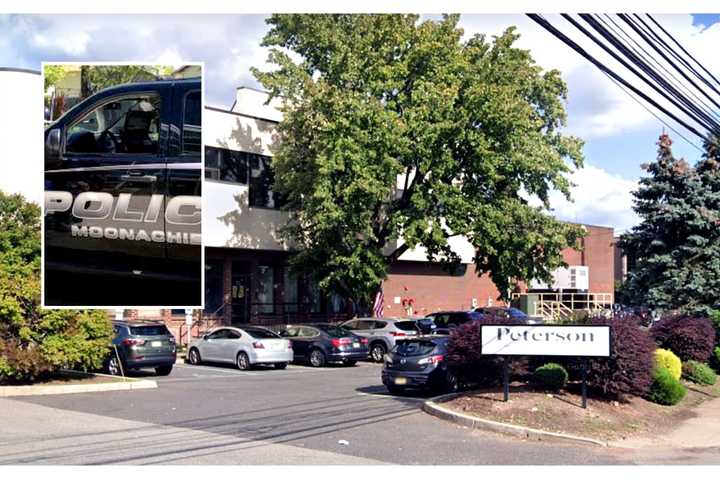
561, 412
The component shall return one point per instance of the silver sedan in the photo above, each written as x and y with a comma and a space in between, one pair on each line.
245, 347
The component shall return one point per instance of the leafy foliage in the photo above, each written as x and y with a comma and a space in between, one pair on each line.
628, 369
690, 338
34, 342
398, 134
676, 247
666, 389
99, 77
699, 373
464, 349
551, 376
716, 359
670, 361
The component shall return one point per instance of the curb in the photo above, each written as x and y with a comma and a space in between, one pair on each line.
130, 384
433, 407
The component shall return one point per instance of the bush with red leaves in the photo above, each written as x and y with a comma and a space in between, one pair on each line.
464, 352
690, 338
628, 369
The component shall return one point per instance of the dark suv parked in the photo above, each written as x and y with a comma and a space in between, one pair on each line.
141, 344
445, 322
419, 362
319, 343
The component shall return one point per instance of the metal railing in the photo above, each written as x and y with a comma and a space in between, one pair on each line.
560, 306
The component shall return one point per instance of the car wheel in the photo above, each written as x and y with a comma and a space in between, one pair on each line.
114, 367
317, 358
395, 390
452, 384
194, 356
280, 366
164, 371
243, 361
349, 363
377, 352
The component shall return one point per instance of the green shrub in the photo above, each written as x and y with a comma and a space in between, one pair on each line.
36, 342
667, 359
699, 373
666, 389
551, 376
716, 359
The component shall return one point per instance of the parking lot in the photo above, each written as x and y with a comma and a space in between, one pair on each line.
218, 414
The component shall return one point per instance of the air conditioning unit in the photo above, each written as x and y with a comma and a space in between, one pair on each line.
571, 278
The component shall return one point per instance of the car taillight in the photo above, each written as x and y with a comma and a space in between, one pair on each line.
434, 359
364, 341
398, 334
336, 342
131, 342
258, 345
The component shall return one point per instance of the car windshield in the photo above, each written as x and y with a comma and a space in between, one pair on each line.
514, 312
412, 348
335, 330
149, 330
408, 326
260, 333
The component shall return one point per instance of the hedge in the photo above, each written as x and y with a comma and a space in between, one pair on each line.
550, 376
666, 389
699, 373
690, 338
667, 359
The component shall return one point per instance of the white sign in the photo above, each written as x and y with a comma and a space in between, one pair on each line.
561, 340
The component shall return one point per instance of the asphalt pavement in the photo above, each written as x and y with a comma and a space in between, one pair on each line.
213, 414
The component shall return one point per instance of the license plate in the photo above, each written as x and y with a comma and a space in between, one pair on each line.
156, 343
400, 381
356, 345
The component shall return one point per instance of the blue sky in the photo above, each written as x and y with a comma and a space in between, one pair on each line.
619, 134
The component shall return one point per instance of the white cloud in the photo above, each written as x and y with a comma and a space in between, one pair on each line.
599, 198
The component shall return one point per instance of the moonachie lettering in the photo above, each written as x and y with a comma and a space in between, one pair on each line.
504, 333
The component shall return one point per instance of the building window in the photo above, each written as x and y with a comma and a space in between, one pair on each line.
191, 124
290, 282
213, 286
265, 289
314, 296
226, 165
261, 183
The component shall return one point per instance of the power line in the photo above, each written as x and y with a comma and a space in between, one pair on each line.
617, 29
683, 49
540, 20
688, 110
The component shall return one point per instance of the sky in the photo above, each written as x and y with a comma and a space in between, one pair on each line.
619, 134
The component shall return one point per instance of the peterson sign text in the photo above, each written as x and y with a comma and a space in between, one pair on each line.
565, 340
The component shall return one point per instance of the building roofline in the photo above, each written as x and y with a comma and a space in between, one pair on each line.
254, 89
230, 112
19, 70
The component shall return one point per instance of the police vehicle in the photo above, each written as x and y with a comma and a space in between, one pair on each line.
122, 223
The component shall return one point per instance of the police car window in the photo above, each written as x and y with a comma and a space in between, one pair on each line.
191, 124
127, 125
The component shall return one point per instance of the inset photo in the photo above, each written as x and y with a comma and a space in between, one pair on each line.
123, 180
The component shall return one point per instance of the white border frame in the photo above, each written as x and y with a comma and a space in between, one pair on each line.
202, 192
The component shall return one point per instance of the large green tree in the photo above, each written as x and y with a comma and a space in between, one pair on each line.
35, 342
674, 252
398, 133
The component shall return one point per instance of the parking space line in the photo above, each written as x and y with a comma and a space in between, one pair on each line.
387, 396
218, 370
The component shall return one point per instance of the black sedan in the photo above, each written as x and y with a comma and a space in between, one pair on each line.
320, 343
422, 363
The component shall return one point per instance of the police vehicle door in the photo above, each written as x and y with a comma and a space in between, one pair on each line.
113, 167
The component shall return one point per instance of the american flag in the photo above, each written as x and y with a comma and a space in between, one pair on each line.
378, 305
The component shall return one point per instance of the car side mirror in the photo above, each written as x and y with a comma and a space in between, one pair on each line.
204, 337
52, 149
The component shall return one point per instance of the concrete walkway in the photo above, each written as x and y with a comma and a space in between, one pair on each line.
42, 435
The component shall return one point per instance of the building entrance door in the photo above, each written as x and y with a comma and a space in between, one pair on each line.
240, 293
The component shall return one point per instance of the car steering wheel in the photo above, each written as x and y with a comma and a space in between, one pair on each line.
116, 145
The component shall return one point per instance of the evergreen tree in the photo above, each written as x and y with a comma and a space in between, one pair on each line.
673, 252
